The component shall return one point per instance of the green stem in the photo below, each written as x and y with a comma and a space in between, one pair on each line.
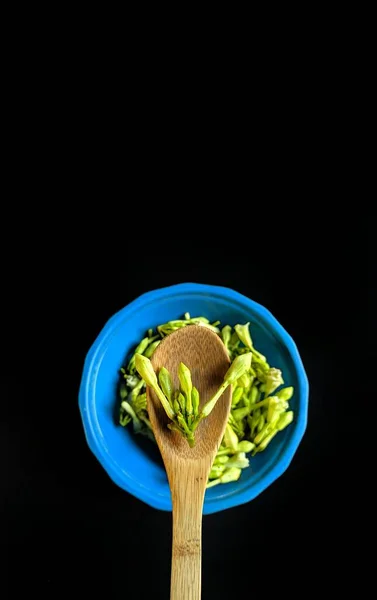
208, 407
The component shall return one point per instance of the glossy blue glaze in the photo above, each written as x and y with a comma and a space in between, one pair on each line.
133, 462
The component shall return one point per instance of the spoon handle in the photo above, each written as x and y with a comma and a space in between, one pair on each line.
187, 497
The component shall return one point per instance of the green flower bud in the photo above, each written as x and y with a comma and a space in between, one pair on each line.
226, 333
166, 383
253, 395
151, 348
195, 401
184, 376
284, 420
176, 406
139, 350
263, 445
230, 475
230, 438
145, 369
244, 335
216, 471
240, 413
182, 403
266, 429
182, 423
285, 394
237, 395
245, 446
273, 408
261, 423
239, 366
136, 391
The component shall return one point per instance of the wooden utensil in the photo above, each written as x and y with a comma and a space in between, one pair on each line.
203, 352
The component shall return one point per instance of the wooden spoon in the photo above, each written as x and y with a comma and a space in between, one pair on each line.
187, 468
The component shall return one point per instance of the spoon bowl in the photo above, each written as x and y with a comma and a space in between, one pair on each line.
205, 355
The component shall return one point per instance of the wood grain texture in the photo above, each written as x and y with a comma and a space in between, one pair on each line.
187, 468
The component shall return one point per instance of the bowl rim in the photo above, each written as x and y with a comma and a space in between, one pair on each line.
97, 443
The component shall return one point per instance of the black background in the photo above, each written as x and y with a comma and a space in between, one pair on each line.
69, 529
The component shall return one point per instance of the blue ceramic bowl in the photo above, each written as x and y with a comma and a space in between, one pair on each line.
133, 462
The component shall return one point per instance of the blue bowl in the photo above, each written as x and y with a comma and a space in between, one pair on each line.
134, 463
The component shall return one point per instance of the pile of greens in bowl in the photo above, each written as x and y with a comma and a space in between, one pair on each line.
258, 410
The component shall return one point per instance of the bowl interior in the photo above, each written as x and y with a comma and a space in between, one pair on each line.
133, 461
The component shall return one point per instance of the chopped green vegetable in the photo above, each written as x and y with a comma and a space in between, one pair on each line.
259, 412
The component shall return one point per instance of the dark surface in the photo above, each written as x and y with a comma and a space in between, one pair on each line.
70, 530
